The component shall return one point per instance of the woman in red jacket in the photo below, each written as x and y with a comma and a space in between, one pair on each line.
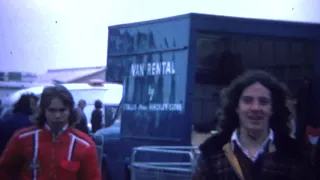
52, 149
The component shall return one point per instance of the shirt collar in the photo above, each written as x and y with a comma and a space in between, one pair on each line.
269, 141
235, 138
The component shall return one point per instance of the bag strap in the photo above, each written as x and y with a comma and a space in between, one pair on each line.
233, 160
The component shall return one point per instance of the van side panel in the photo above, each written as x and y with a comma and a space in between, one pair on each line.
266, 28
223, 24
152, 58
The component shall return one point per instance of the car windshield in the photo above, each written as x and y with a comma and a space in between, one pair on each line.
113, 113
118, 113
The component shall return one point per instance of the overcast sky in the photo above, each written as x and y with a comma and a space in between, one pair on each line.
36, 35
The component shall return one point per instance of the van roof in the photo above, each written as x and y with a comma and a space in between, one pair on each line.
12, 98
193, 15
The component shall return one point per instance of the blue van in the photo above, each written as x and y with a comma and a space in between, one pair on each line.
173, 70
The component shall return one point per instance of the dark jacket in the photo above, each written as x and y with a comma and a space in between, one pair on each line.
285, 161
82, 125
9, 125
96, 120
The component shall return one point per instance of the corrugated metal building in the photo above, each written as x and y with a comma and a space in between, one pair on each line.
72, 75
12, 81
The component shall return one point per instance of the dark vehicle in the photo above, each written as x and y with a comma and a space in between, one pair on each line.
173, 70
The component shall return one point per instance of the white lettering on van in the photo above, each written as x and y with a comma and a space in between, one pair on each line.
137, 70
151, 93
154, 107
142, 107
130, 107
153, 69
165, 107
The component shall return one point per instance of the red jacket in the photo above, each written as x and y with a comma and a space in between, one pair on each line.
34, 154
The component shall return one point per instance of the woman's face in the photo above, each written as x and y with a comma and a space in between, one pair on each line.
255, 107
57, 114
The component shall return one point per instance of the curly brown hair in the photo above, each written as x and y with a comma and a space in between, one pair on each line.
280, 119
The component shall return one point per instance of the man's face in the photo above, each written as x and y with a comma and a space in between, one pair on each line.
255, 108
57, 114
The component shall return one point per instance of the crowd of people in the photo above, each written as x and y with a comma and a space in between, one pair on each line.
96, 117
255, 139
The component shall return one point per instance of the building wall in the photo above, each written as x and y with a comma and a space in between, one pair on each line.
17, 76
86, 79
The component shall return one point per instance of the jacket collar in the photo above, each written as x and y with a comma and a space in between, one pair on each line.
235, 137
282, 144
64, 128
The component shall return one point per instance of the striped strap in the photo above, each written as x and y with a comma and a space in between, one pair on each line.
35, 165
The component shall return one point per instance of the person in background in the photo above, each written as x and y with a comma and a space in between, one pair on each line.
52, 149
96, 116
82, 124
21, 117
254, 142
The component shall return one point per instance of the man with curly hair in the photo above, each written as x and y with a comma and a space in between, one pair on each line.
255, 140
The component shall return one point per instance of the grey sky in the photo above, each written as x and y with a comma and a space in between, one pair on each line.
36, 35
